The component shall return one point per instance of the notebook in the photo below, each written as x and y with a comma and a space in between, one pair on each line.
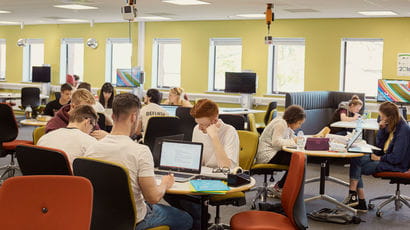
357, 149
182, 158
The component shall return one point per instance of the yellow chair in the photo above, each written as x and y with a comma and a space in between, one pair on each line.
252, 123
38, 133
248, 143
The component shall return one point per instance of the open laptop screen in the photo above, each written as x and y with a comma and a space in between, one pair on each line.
181, 156
353, 138
171, 109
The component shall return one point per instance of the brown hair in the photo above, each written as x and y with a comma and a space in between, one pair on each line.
84, 85
204, 108
124, 104
65, 87
293, 114
82, 96
391, 111
355, 101
82, 112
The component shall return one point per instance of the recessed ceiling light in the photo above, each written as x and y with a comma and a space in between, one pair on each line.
186, 2
153, 18
4, 12
9, 23
76, 7
251, 15
72, 20
377, 13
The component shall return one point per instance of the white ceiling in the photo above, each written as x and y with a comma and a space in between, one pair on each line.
43, 12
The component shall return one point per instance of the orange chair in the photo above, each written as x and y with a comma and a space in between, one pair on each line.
46, 203
292, 203
8, 142
395, 178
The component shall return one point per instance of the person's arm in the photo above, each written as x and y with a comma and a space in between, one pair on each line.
186, 103
280, 130
399, 149
220, 154
49, 109
152, 192
344, 117
99, 134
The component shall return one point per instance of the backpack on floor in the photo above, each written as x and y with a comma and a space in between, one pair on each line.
334, 216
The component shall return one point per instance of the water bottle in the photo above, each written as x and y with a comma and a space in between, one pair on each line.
28, 112
359, 125
300, 140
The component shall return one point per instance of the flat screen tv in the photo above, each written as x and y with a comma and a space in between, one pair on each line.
397, 91
41, 74
129, 78
240, 82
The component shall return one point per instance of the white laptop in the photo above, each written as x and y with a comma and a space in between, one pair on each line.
182, 158
357, 149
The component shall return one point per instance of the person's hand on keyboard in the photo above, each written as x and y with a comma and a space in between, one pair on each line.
168, 180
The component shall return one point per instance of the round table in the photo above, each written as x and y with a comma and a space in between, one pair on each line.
33, 122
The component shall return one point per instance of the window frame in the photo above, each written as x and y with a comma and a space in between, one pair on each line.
213, 43
155, 60
63, 57
3, 61
27, 76
109, 58
273, 61
343, 57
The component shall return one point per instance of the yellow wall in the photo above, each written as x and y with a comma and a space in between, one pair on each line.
94, 59
323, 37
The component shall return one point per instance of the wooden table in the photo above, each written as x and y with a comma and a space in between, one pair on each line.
324, 173
33, 122
239, 111
185, 189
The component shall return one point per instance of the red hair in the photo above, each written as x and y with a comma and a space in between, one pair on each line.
204, 108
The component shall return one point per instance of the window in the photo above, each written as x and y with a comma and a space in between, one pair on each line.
71, 58
2, 59
225, 55
361, 65
33, 55
118, 56
166, 63
286, 65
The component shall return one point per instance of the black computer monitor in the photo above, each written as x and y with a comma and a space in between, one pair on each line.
240, 82
41, 74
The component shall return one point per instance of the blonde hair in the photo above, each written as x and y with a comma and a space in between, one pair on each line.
355, 101
82, 96
180, 93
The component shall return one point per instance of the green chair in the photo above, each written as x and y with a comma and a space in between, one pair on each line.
114, 204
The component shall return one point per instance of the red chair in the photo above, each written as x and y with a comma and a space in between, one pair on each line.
292, 203
8, 142
46, 203
395, 178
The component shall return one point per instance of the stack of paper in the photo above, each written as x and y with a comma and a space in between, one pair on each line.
209, 186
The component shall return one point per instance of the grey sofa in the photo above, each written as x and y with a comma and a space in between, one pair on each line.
319, 107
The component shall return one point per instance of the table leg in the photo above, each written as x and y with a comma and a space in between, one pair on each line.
204, 211
326, 176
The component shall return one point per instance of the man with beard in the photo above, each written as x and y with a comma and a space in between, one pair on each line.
118, 147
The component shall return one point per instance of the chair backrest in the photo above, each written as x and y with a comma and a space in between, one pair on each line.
57, 95
252, 123
161, 126
8, 124
39, 160
30, 96
114, 205
248, 144
187, 122
46, 202
268, 115
237, 121
292, 195
38, 133
101, 121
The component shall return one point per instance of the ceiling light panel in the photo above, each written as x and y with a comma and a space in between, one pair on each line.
9, 23
377, 13
4, 12
76, 7
72, 20
153, 18
186, 2
251, 15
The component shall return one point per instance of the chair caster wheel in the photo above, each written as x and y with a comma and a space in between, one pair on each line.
379, 214
253, 206
370, 206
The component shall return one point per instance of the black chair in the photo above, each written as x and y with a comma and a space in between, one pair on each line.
237, 121
30, 96
113, 205
101, 121
57, 95
8, 135
271, 112
39, 160
187, 122
161, 126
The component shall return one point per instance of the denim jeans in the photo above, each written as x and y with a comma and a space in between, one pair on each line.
158, 214
188, 203
362, 166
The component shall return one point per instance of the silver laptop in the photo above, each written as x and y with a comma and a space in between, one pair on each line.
357, 149
182, 158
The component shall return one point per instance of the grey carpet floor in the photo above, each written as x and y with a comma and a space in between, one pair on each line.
374, 187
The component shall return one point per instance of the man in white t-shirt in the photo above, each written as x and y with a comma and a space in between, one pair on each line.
75, 138
151, 108
119, 148
221, 150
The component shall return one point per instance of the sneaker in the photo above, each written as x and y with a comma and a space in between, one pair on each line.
275, 192
361, 207
351, 200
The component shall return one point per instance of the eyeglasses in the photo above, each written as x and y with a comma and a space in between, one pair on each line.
224, 170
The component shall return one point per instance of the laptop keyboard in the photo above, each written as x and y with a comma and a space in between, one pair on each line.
181, 175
